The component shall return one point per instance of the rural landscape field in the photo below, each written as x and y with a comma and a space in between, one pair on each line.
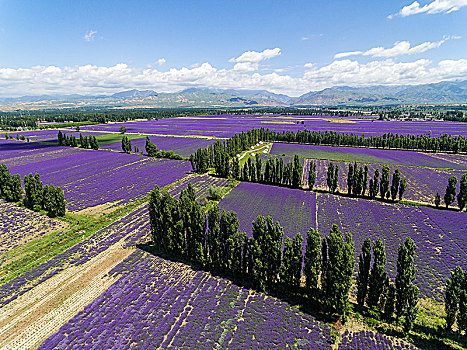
233, 175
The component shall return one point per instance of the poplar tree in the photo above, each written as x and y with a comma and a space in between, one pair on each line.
406, 291
384, 184
312, 175
297, 261
462, 195
378, 274
450, 194
452, 296
402, 187
363, 272
330, 176
396, 179
312, 261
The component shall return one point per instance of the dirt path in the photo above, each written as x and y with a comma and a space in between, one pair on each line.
28, 320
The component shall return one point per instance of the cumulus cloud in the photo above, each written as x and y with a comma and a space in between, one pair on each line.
90, 35
399, 48
161, 61
436, 6
92, 79
256, 57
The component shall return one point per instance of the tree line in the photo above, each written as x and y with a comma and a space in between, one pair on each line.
219, 154
18, 137
35, 195
71, 141
271, 261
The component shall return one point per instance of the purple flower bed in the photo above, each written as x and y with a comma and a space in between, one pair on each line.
422, 183
439, 235
228, 125
371, 340
369, 155
179, 145
159, 303
19, 225
294, 209
200, 183
132, 228
88, 177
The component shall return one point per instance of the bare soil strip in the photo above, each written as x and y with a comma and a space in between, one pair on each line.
37, 314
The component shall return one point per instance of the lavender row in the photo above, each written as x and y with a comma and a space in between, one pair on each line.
19, 226
180, 145
159, 303
372, 341
89, 178
422, 183
293, 208
439, 235
131, 228
228, 125
369, 155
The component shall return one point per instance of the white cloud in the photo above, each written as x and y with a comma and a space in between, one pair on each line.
161, 61
436, 6
90, 35
346, 54
308, 65
246, 66
305, 38
256, 57
399, 48
91, 79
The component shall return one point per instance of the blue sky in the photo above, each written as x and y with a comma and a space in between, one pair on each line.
287, 47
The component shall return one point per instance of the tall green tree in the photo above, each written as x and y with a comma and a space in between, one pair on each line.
378, 274
452, 296
450, 194
286, 272
384, 183
402, 187
462, 195
396, 179
312, 175
330, 176
406, 292
363, 271
297, 261
312, 267
339, 271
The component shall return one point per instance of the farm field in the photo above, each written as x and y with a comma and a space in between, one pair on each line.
179, 145
228, 125
366, 155
438, 234
422, 183
107, 290
89, 178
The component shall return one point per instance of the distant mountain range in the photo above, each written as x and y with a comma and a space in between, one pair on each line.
453, 92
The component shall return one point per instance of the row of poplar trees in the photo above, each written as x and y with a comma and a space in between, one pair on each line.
269, 260
35, 195
450, 194
218, 155
71, 141
274, 171
357, 181
376, 289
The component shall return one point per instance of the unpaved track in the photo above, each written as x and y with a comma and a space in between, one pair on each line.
37, 314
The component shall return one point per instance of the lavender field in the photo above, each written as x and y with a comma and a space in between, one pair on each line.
179, 145
439, 235
422, 183
90, 178
158, 303
366, 155
294, 209
228, 125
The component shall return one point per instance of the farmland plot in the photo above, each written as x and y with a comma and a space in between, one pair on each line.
294, 209
19, 225
439, 235
89, 178
422, 183
159, 303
